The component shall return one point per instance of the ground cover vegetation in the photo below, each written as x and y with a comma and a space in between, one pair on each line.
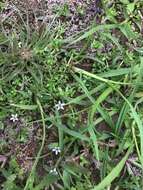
71, 95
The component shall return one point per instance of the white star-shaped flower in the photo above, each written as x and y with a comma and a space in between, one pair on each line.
60, 105
14, 117
56, 150
54, 171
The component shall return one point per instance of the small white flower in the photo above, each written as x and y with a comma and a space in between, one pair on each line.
54, 171
56, 150
60, 105
14, 117
19, 44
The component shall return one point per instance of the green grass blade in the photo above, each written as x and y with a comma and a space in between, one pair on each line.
100, 99
138, 122
75, 134
117, 72
58, 123
113, 174
25, 107
78, 99
78, 70
103, 113
93, 139
91, 32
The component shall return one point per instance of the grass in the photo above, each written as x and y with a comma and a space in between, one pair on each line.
81, 95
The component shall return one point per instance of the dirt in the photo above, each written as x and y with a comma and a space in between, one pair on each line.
76, 15
81, 13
